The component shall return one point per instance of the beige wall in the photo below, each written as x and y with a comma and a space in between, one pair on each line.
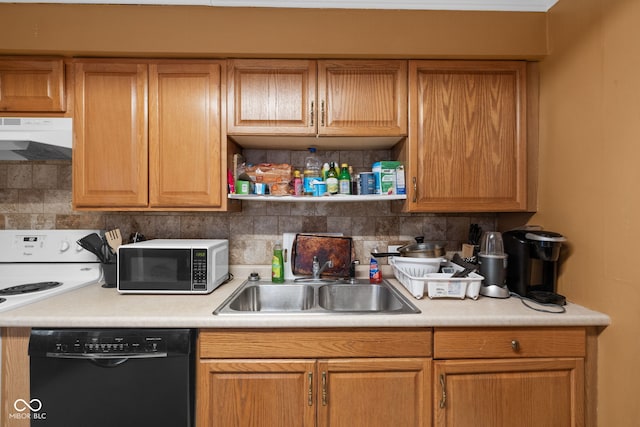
589, 153
207, 31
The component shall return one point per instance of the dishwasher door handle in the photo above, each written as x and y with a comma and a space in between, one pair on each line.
106, 356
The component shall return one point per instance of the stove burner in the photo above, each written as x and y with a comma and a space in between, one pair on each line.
28, 288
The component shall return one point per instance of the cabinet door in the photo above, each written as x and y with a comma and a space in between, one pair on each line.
110, 125
504, 393
32, 84
255, 393
365, 98
271, 97
374, 392
467, 140
184, 135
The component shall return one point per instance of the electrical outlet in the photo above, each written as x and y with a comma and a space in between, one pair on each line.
393, 248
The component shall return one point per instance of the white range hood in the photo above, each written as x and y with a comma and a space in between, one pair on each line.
29, 138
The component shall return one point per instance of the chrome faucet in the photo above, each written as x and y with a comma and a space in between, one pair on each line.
317, 270
352, 271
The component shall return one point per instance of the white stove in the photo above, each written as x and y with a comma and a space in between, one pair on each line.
37, 264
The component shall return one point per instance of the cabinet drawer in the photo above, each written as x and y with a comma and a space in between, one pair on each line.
466, 343
315, 343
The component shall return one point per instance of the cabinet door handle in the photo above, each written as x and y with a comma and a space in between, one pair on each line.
324, 388
310, 391
322, 113
415, 189
443, 396
312, 112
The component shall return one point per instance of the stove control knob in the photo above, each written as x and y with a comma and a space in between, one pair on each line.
64, 246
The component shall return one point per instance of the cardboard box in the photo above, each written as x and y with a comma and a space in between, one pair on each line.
385, 175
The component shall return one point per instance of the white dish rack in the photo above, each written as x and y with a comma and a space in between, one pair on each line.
437, 285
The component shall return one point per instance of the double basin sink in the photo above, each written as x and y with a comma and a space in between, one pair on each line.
317, 297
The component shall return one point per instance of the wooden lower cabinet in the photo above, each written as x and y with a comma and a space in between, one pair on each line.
503, 377
256, 393
350, 391
374, 392
340, 392
505, 393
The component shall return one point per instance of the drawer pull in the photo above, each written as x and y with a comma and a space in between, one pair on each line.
515, 345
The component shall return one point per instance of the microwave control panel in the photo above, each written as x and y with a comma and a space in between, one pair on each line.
199, 269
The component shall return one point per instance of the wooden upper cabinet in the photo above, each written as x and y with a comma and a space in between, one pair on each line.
148, 135
271, 97
362, 98
184, 134
304, 97
467, 140
32, 85
110, 167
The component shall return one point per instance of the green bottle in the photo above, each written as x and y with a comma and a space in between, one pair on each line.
277, 264
332, 179
344, 180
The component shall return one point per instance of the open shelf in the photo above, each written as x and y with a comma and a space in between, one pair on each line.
322, 199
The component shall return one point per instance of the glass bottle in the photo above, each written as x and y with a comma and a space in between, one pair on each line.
298, 188
332, 179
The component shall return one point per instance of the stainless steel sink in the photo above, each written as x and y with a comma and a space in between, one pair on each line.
269, 297
358, 298
317, 297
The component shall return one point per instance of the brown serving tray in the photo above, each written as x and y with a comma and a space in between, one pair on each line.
334, 248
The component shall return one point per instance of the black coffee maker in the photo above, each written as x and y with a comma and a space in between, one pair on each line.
533, 264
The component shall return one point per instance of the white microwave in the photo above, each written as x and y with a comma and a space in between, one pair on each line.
173, 266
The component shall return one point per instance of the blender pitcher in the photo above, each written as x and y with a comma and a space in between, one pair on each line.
493, 265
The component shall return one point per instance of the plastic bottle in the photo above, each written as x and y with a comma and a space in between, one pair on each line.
298, 188
332, 180
344, 180
277, 264
325, 170
312, 173
375, 275
354, 181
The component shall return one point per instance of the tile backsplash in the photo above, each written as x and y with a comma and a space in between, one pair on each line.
37, 195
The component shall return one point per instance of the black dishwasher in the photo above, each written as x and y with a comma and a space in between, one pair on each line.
112, 377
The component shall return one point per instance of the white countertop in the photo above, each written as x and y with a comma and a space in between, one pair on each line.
95, 306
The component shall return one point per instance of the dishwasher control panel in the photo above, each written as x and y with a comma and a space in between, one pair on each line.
125, 342
111, 344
